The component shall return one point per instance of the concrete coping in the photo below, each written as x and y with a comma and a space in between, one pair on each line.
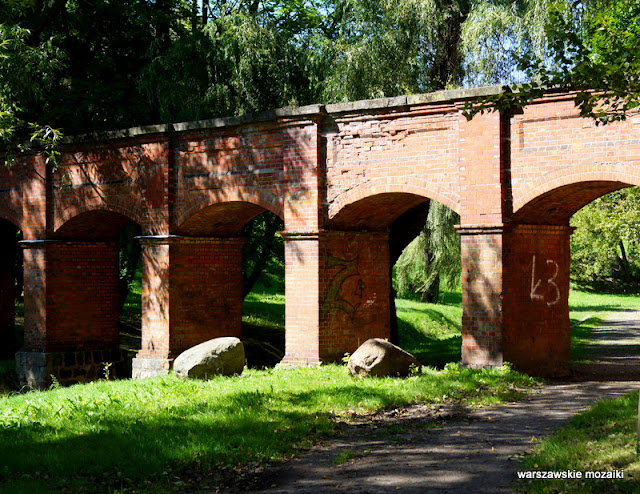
300, 112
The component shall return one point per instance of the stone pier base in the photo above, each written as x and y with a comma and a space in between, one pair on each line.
40, 369
150, 367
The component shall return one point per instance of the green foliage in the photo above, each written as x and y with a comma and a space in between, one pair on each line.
264, 249
431, 332
498, 33
25, 73
388, 48
591, 48
433, 255
237, 64
606, 243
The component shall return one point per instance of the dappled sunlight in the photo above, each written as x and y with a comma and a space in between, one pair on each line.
137, 430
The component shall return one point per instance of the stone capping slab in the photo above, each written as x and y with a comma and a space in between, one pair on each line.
292, 112
416, 99
295, 236
168, 239
481, 229
213, 123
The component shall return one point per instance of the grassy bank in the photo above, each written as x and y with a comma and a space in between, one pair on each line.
600, 439
160, 434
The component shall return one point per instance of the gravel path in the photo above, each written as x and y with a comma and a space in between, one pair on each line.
437, 449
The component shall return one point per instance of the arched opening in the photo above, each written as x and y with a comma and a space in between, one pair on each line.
604, 300
261, 291
567, 247
423, 270
263, 310
11, 303
94, 277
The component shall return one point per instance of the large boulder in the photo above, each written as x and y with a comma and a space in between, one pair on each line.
217, 357
379, 358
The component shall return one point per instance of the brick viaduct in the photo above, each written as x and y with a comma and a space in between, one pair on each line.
338, 175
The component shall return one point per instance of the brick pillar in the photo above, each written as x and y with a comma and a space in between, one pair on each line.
71, 311
191, 293
8, 340
482, 287
537, 336
337, 294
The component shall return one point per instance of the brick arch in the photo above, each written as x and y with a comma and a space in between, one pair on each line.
109, 213
231, 206
406, 195
554, 197
381, 186
12, 217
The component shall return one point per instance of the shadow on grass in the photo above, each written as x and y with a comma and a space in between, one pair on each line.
263, 345
202, 441
432, 350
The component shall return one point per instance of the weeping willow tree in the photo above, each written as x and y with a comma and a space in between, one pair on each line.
433, 258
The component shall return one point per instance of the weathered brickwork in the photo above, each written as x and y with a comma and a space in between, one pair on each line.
409, 150
561, 162
339, 176
482, 289
536, 332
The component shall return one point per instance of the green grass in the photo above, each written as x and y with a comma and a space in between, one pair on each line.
600, 439
431, 332
263, 307
159, 434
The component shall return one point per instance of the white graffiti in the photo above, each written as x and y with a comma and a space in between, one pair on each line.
536, 283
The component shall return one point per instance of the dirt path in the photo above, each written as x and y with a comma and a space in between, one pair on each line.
615, 346
438, 449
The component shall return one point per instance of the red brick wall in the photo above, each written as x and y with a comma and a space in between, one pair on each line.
482, 290
552, 147
536, 298
11, 180
71, 296
129, 177
354, 167
258, 163
410, 150
192, 292
302, 293
354, 291
337, 293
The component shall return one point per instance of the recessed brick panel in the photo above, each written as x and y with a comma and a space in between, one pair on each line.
192, 292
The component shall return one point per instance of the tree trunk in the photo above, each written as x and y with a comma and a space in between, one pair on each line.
432, 293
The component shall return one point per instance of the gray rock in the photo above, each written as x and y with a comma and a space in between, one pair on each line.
217, 357
379, 358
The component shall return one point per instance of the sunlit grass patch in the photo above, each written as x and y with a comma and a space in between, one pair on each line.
432, 332
121, 434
